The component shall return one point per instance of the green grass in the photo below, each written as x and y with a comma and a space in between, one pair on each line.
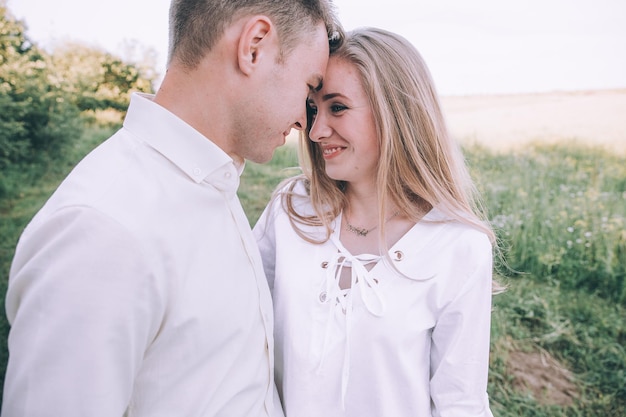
561, 211
259, 180
560, 214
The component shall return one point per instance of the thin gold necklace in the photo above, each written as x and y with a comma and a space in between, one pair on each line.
361, 231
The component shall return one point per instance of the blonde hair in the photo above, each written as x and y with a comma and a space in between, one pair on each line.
419, 161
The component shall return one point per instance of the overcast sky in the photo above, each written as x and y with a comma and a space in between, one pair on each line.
471, 46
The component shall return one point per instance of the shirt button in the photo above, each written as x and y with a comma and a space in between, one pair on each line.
323, 297
227, 175
398, 255
197, 171
324, 265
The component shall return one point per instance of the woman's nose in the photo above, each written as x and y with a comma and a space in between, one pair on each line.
319, 128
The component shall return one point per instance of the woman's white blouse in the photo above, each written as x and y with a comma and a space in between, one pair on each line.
392, 345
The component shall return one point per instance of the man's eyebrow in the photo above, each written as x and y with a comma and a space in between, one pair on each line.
315, 87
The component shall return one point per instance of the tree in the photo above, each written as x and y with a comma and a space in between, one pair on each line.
96, 80
37, 117
45, 97
14, 50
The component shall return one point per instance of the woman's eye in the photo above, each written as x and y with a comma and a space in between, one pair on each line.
336, 108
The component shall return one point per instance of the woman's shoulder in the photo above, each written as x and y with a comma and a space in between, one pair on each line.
291, 210
290, 198
297, 185
459, 231
294, 193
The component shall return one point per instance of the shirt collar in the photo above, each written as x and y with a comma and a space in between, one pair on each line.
193, 153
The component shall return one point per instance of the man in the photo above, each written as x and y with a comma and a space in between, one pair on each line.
138, 289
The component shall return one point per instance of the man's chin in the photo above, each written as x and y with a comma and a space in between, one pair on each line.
262, 158
266, 156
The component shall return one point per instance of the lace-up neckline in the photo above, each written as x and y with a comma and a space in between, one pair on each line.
362, 284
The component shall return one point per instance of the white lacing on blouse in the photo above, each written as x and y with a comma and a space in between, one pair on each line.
367, 288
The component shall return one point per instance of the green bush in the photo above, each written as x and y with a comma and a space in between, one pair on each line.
37, 118
47, 99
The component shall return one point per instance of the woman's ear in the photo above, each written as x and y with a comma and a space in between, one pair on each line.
258, 38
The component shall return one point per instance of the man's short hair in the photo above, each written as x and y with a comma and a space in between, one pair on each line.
197, 25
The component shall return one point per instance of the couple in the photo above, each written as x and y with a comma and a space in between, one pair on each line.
139, 288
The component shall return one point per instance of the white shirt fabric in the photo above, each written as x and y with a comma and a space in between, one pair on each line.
138, 288
392, 345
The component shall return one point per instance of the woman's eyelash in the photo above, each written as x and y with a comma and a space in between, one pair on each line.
335, 108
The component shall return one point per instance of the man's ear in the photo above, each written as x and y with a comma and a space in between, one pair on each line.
256, 40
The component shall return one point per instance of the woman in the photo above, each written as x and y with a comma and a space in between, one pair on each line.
379, 261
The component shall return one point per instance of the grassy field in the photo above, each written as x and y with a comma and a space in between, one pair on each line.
559, 331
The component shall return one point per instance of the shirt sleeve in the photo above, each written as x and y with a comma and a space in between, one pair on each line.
83, 307
460, 341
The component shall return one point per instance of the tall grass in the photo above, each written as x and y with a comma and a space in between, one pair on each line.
560, 214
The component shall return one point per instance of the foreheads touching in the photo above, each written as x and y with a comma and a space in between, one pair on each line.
197, 25
393, 74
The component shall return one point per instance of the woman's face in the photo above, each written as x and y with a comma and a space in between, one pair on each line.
343, 125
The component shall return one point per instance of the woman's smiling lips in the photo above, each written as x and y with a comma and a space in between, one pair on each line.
330, 151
